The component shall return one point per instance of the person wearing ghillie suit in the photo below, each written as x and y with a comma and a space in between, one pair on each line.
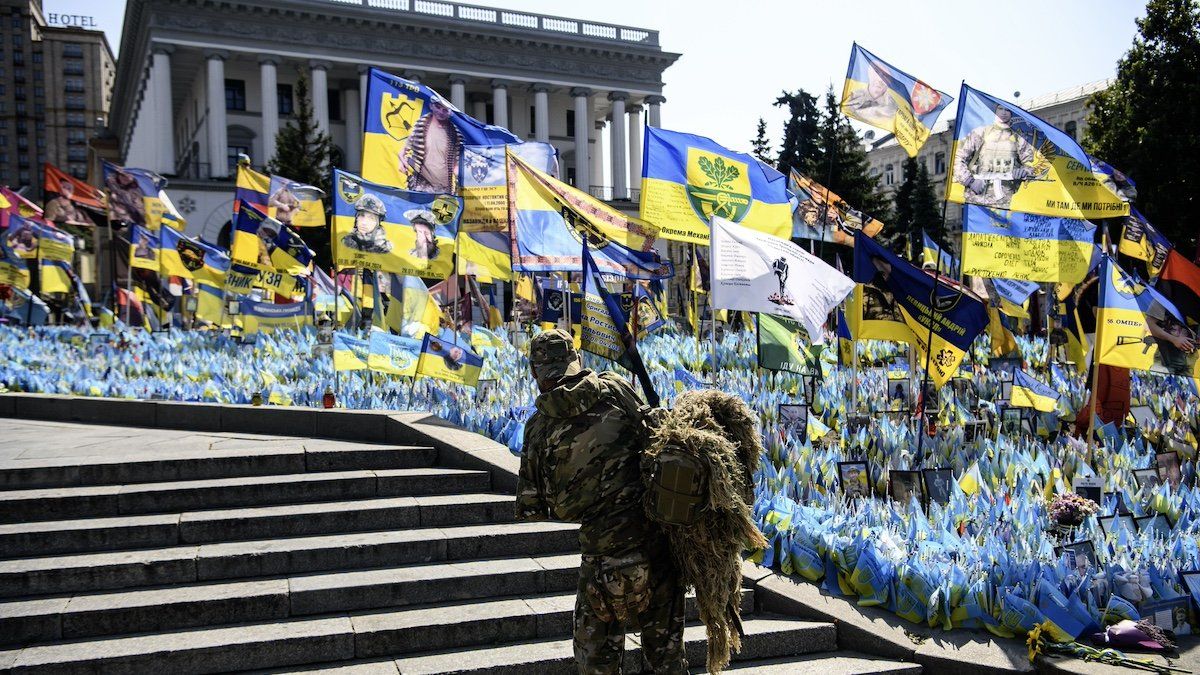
581, 462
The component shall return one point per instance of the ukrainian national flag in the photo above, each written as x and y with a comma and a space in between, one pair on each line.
290, 254
961, 317
1077, 343
485, 255
215, 267
393, 354
1003, 341
1123, 313
252, 188
349, 352
398, 116
550, 220
933, 255
1141, 240
883, 96
1014, 245
1008, 158
56, 276
143, 248
412, 311
266, 317
444, 360
687, 179
1030, 393
210, 303
247, 247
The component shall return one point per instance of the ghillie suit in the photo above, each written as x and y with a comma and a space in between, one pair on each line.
718, 436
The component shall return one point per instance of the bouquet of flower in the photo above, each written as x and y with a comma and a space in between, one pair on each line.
1071, 509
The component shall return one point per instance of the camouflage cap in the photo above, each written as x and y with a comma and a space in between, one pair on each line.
553, 354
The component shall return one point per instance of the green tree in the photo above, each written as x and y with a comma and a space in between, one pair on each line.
799, 150
1148, 122
849, 172
304, 153
914, 209
760, 147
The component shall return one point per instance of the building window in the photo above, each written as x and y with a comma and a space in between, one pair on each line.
921, 163
4, 141
72, 68
41, 141
231, 157
21, 109
16, 19
235, 95
18, 74
75, 136
18, 58
533, 121
75, 120
74, 84
17, 40
37, 57
78, 170
23, 178
19, 93
77, 153
74, 102
335, 105
889, 175
73, 49
38, 92
570, 124
1070, 129
23, 142
283, 92
39, 109
939, 163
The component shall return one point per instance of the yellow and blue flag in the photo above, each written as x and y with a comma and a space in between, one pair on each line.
687, 179
604, 328
266, 317
139, 197
349, 352
1143, 241
14, 265
55, 251
289, 253
485, 188
393, 354
551, 220
250, 187
56, 276
1011, 295
914, 297
888, 98
295, 204
1015, 245
210, 303
444, 360
252, 229
143, 248
1008, 158
215, 267
846, 351
486, 255
1028, 392
822, 215
413, 138
1077, 343
381, 228
1123, 314
413, 311
180, 255
935, 256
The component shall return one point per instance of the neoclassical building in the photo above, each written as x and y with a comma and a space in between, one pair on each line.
201, 81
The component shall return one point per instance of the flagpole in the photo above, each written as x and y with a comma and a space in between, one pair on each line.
29, 304
712, 308
933, 314
1095, 376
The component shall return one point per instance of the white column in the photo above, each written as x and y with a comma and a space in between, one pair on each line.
653, 103
583, 105
479, 107
597, 155
413, 75
319, 92
218, 140
270, 106
354, 126
500, 103
541, 113
458, 92
363, 76
635, 149
617, 140
165, 117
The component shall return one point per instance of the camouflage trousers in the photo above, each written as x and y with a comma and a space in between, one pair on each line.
600, 643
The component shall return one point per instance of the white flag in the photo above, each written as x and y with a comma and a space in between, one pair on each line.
755, 272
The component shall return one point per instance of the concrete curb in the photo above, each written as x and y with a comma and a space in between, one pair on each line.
877, 632
456, 447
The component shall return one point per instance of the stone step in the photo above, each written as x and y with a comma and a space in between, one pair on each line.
277, 557
288, 520
205, 604
150, 466
766, 637
312, 641
841, 663
17, 506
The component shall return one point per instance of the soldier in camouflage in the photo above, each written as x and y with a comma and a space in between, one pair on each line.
581, 463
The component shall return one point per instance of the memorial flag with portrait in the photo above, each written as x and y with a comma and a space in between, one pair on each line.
879, 94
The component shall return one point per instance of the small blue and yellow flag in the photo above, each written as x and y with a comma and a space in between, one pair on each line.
550, 221
1008, 158
935, 257
1014, 245
1030, 393
56, 276
444, 360
143, 248
349, 352
1012, 295
289, 253
1123, 314
252, 229
1141, 240
886, 97
687, 179
393, 354
250, 187
413, 138
210, 303
266, 317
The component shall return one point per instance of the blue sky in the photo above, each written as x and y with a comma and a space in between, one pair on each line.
738, 56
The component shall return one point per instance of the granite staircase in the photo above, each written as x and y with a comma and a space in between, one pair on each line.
305, 556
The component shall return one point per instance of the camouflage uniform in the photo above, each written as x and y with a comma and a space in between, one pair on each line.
581, 463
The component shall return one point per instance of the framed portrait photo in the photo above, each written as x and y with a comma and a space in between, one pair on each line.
938, 484
1191, 581
1081, 555
1112, 525
904, 485
1147, 479
1156, 524
899, 393
1091, 487
793, 418
1170, 469
1173, 615
854, 479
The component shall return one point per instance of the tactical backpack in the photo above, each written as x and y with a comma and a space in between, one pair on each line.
676, 492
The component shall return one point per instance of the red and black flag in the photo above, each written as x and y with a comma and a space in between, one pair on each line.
1179, 281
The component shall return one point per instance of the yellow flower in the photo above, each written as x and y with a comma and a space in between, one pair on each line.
1034, 642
